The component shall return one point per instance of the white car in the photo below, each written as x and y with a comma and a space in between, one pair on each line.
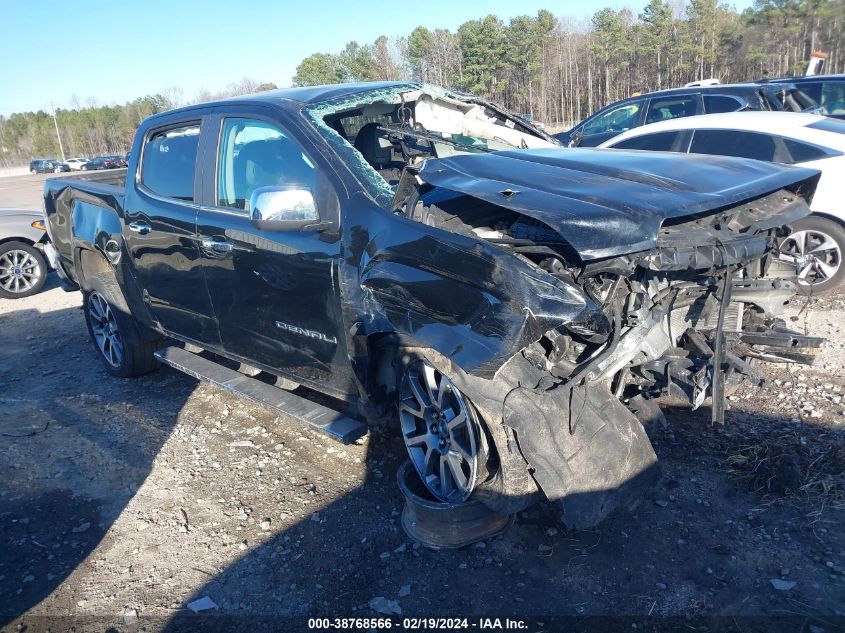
75, 164
816, 246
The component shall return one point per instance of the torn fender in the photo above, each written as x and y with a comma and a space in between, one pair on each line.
585, 449
471, 302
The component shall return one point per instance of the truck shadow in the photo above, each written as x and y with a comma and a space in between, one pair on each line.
75, 446
745, 519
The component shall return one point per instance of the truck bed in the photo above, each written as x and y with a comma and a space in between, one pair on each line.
113, 177
90, 199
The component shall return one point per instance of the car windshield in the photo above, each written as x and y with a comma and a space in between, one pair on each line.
381, 131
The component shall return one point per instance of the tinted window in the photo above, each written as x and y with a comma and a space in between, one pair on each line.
617, 119
833, 98
255, 154
169, 162
734, 143
659, 142
802, 152
665, 108
713, 104
812, 88
829, 125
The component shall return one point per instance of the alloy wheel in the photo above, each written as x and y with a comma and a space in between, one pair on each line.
441, 432
815, 255
105, 330
19, 271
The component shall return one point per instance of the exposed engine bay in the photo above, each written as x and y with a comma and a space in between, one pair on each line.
678, 320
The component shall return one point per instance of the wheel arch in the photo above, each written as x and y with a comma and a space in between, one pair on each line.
826, 216
23, 240
89, 262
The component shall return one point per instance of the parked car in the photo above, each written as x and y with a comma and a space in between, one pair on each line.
682, 102
61, 168
101, 162
119, 159
43, 165
76, 164
826, 90
530, 293
817, 243
23, 269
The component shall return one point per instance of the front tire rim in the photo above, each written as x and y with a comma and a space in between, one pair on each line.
105, 330
19, 271
815, 255
441, 432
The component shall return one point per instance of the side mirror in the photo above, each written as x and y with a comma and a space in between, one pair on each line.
284, 209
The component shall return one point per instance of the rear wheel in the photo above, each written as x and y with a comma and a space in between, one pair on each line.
22, 270
815, 249
118, 337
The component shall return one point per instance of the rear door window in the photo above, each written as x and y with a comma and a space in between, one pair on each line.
829, 125
738, 143
714, 104
658, 142
802, 152
664, 108
169, 161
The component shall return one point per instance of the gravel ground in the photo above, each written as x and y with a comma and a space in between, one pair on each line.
130, 499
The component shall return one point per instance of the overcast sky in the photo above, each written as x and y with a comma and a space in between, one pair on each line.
115, 51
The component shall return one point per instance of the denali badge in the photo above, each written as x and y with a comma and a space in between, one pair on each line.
309, 333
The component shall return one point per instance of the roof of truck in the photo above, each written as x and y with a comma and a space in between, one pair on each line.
316, 94
302, 96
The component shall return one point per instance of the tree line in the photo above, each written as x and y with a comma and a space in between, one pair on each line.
560, 70
94, 130
556, 69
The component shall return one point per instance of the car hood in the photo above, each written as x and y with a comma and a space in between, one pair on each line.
612, 202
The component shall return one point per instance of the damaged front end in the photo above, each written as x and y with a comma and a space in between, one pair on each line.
682, 319
573, 288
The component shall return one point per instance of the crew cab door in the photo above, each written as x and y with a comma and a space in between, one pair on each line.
160, 231
274, 289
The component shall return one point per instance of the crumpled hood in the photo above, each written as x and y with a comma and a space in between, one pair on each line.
611, 202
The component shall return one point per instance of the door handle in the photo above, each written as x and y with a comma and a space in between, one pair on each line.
142, 228
218, 247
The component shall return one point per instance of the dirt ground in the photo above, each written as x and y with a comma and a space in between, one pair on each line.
130, 499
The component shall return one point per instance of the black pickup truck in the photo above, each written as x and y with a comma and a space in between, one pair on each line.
515, 309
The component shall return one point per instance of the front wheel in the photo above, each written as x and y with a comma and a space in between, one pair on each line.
123, 349
22, 270
815, 249
442, 433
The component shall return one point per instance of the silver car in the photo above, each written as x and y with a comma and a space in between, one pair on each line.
23, 267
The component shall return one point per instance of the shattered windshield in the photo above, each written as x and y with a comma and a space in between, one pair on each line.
379, 132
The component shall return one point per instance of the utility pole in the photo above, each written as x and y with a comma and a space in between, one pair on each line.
58, 136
